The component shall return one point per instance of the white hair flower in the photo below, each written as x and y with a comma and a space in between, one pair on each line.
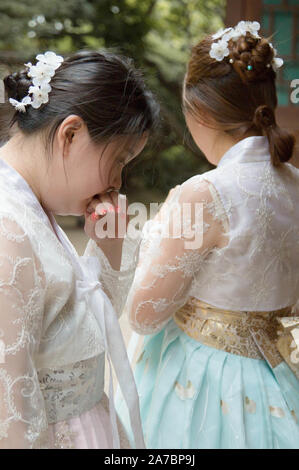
40, 94
219, 50
277, 62
272, 47
41, 75
50, 58
21, 105
229, 35
221, 32
248, 26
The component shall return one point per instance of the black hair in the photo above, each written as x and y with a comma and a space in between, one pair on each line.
103, 88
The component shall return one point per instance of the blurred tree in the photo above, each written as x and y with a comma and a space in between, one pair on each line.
158, 34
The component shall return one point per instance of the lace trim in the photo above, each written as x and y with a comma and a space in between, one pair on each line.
166, 267
64, 437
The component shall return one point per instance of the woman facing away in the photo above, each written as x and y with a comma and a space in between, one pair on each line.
219, 363
87, 116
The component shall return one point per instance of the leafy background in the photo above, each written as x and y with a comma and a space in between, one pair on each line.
157, 34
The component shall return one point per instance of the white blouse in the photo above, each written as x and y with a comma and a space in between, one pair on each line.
249, 257
54, 307
56, 324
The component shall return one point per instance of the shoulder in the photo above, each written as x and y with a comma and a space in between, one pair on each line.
291, 171
199, 188
14, 239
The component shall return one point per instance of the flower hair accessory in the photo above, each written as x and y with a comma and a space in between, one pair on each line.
41, 75
219, 50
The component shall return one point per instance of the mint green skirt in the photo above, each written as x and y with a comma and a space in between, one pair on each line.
196, 397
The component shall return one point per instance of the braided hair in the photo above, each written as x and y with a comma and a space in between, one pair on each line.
238, 92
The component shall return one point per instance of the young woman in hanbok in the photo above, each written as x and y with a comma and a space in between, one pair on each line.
76, 122
218, 366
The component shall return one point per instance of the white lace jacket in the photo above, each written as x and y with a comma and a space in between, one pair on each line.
249, 257
51, 342
248, 260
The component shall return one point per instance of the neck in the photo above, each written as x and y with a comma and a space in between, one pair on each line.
21, 154
217, 143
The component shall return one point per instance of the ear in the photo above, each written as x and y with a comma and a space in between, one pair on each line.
67, 132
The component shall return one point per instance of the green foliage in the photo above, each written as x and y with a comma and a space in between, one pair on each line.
158, 34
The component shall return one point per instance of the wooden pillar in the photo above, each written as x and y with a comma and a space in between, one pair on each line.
242, 9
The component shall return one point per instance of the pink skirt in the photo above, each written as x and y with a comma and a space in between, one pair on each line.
90, 430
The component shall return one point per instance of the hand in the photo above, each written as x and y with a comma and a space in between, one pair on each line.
112, 207
107, 216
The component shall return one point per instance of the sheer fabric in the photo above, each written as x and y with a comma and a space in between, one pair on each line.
193, 395
250, 253
117, 284
52, 348
170, 261
22, 410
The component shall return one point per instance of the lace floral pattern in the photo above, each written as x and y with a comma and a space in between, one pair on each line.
64, 437
250, 251
51, 341
257, 270
21, 320
167, 268
73, 389
116, 283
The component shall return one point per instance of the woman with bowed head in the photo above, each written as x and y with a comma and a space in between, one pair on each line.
219, 363
70, 126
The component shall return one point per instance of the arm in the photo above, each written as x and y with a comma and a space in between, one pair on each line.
116, 282
118, 256
168, 265
23, 422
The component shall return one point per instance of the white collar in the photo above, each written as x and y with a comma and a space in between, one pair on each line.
249, 150
17, 183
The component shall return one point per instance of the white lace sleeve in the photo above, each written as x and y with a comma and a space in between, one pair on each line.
167, 264
117, 284
23, 421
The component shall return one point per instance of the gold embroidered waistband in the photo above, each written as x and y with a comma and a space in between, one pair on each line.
258, 335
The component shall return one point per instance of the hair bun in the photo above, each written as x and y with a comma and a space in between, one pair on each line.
16, 85
253, 52
264, 117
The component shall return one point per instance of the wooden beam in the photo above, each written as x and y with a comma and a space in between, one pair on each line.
253, 11
235, 11
288, 117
